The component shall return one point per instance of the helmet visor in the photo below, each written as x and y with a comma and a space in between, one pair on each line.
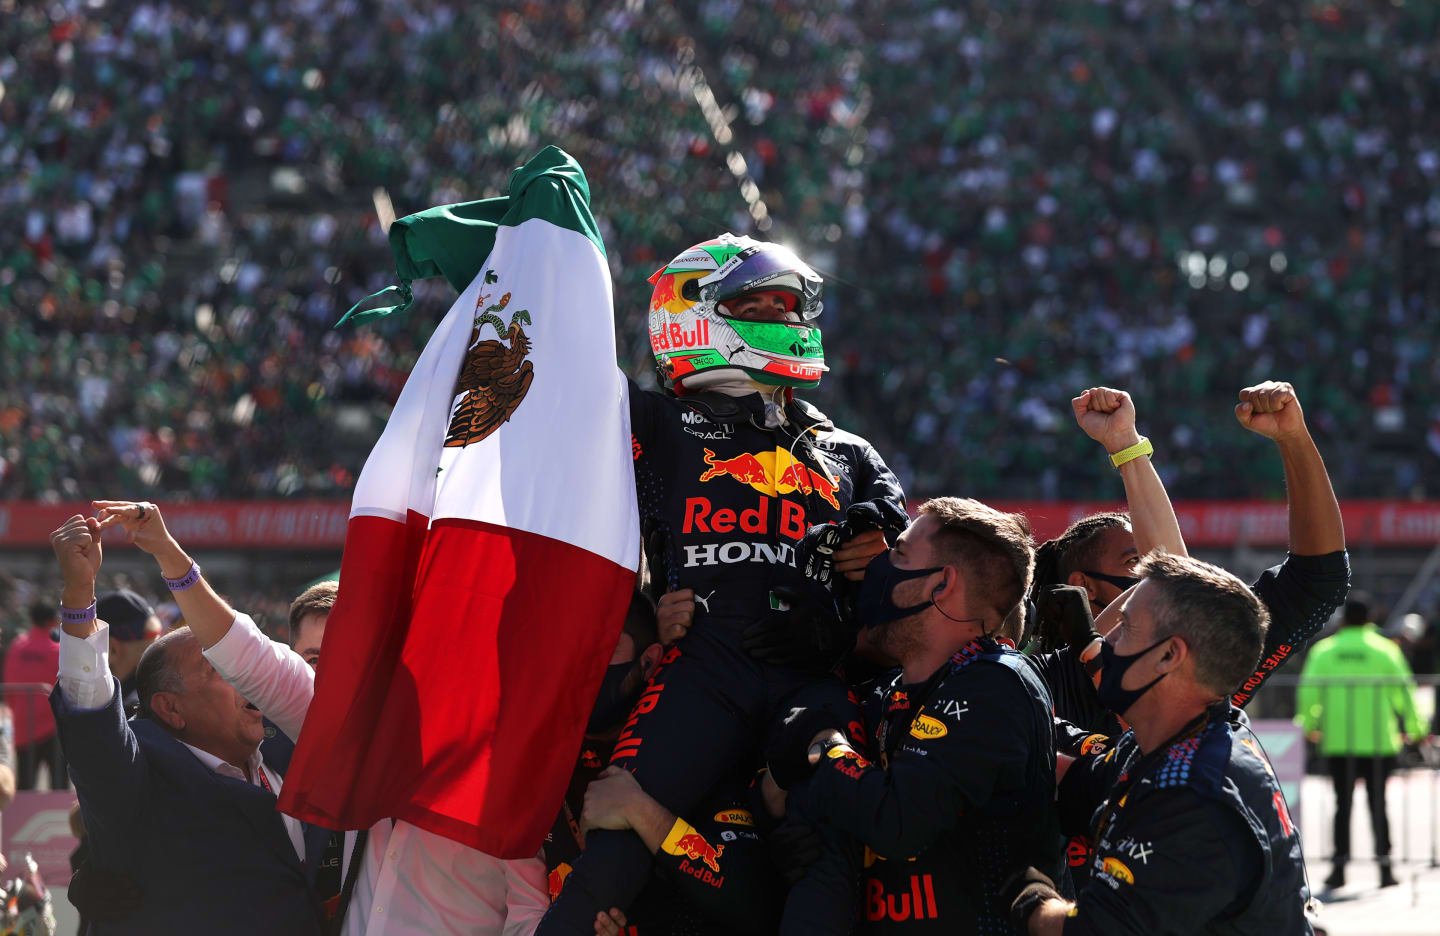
771, 267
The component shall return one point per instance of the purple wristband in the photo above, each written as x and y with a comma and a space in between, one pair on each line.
83, 616
186, 580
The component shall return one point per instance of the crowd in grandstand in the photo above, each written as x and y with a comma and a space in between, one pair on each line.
191, 194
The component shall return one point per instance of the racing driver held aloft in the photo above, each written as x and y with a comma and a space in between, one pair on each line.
731, 471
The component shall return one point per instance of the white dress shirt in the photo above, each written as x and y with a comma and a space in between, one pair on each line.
410, 880
87, 685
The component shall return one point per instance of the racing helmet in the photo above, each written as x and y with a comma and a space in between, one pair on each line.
692, 332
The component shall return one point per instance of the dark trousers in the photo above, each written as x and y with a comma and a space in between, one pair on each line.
29, 758
1344, 771
706, 713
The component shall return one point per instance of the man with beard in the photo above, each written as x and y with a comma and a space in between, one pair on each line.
960, 798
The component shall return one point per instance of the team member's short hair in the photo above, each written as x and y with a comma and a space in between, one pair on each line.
1077, 549
317, 599
992, 549
1220, 619
1357, 608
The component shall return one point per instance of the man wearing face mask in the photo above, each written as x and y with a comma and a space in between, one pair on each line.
1099, 554
637, 653
689, 893
1192, 833
954, 794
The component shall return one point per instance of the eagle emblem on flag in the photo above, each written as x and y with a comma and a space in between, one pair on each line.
495, 378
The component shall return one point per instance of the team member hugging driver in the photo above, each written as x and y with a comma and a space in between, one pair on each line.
956, 793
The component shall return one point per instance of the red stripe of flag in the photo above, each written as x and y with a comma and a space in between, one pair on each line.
460, 710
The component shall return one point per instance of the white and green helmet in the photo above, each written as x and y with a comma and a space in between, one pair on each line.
691, 333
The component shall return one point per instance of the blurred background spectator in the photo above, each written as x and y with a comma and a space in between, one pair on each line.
1357, 702
133, 627
31, 662
1170, 197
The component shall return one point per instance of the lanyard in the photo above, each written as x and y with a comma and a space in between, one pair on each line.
264, 781
1131, 777
899, 701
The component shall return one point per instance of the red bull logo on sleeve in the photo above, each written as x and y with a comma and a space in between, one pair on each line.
690, 846
697, 849
773, 473
557, 877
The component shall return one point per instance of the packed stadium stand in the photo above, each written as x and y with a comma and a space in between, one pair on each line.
1011, 202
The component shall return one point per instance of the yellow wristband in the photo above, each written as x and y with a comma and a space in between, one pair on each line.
1138, 450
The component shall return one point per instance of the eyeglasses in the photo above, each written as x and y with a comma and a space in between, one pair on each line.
1121, 582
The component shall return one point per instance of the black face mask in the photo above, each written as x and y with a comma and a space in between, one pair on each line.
1112, 672
1121, 582
612, 704
876, 604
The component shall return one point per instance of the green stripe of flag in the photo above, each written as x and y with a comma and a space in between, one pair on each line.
453, 241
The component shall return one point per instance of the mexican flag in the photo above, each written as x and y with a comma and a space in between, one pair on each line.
493, 537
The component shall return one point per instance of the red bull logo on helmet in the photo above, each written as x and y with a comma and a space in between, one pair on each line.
668, 295
676, 338
773, 473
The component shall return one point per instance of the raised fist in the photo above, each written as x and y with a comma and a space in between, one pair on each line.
77, 546
1271, 409
1107, 416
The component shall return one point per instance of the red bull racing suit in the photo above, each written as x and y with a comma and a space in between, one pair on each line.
954, 795
1192, 837
1300, 595
724, 501
712, 875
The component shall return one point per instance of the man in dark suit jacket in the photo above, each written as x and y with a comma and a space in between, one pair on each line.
277, 749
109, 896
180, 797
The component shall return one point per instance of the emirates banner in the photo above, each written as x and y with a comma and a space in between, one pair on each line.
302, 524
215, 524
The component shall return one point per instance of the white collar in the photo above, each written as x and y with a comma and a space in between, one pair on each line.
227, 769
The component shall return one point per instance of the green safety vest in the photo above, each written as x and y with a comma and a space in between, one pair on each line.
1356, 689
